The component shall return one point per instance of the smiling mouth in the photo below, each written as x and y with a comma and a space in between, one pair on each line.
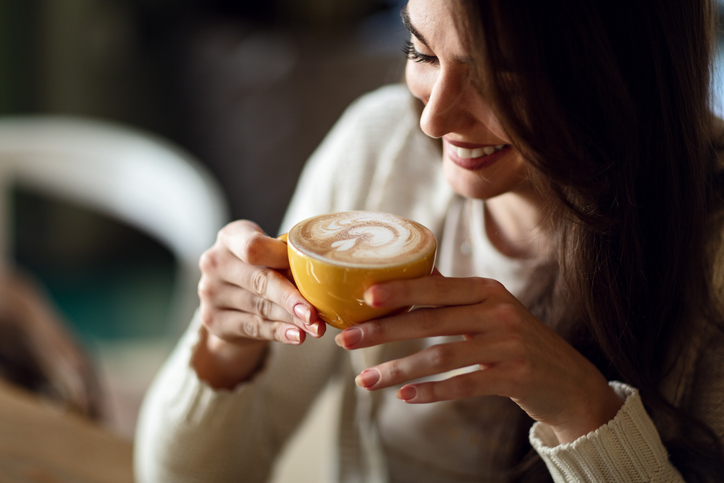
476, 159
465, 153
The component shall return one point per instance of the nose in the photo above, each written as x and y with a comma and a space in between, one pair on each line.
446, 108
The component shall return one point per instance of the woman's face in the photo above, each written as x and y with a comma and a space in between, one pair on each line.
478, 159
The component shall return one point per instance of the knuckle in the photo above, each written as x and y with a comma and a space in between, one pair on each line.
441, 356
432, 392
253, 248
207, 315
279, 331
441, 286
208, 261
250, 327
205, 289
260, 281
507, 313
231, 230
515, 346
523, 371
488, 286
287, 299
465, 387
373, 330
263, 307
394, 370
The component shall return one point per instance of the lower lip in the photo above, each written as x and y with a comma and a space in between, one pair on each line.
476, 164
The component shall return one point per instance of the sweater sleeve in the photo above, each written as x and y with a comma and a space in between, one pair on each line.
627, 448
189, 432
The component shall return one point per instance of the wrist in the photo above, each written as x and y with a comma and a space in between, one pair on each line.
594, 409
224, 365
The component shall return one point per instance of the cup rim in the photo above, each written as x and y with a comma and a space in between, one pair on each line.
337, 263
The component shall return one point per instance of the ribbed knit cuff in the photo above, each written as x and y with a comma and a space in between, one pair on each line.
627, 448
193, 400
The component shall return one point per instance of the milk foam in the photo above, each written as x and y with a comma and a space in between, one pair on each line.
363, 238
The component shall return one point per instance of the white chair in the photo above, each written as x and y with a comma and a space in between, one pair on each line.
136, 178
124, 173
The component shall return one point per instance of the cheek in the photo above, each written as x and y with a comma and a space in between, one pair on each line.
492, 123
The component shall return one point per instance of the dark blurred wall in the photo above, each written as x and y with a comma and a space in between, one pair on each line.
264, 95
249, 87
18, 51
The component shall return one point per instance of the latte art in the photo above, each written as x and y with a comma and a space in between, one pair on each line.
362, 238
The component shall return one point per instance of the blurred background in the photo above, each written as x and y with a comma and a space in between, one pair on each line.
247, 88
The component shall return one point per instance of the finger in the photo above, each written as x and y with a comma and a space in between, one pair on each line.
221, 265
433, 290
220, 262
234, 326
228, 296
485, 382
436, 360
273, 286
248, 241
431, 322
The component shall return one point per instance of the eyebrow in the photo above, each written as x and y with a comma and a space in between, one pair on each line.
405, 15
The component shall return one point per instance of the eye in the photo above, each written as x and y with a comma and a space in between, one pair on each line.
412, 54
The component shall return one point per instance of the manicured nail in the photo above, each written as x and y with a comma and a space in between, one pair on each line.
302, 312
314, 327
293, 335
407, 393
348, 337
376, 296
367, 378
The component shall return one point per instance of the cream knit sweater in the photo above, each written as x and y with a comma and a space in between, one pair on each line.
376, 158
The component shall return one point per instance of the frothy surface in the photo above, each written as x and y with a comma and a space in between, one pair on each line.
363, 238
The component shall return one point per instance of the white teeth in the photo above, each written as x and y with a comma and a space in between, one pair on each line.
477, 152
464, 153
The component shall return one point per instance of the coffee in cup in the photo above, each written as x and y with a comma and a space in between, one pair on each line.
335, 258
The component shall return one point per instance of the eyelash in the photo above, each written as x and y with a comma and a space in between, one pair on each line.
412, 54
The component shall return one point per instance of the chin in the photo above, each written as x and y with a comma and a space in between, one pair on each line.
471, 184
487, 183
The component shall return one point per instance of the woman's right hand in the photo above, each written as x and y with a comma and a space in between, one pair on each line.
245, 303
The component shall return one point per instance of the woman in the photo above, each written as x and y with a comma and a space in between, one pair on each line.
578, 249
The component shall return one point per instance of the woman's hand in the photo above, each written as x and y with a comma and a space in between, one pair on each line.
245, 303
517, 356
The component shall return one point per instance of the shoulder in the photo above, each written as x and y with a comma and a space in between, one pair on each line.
389, 100
377, 115
377, 132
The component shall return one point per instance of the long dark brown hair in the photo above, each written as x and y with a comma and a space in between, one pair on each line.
609, 104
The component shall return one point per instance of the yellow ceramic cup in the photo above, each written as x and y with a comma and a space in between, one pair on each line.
335, 288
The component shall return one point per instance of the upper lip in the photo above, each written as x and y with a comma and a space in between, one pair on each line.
464, 145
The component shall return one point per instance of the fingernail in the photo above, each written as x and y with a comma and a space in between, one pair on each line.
367, 378
314, 327
407, 393
348, 337
302, 312
293, 335
375, 296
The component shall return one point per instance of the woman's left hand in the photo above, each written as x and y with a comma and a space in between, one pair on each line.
518, 356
